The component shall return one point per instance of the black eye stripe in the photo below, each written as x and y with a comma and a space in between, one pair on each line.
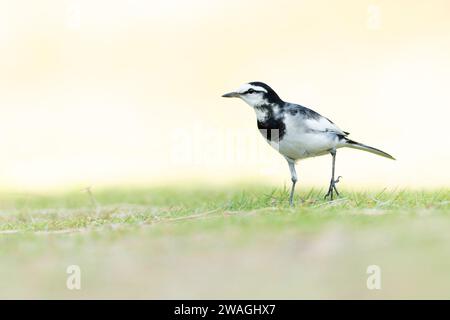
252, 91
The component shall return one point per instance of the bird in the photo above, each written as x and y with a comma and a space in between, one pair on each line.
297, 132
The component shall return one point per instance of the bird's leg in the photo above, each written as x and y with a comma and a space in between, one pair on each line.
333, 182
293, 179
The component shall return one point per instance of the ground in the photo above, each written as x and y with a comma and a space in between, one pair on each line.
229, 242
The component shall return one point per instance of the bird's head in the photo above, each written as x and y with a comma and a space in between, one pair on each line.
255, 94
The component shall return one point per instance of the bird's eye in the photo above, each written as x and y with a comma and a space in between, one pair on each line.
250, 91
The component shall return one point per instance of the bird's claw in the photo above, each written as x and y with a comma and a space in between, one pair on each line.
333, 188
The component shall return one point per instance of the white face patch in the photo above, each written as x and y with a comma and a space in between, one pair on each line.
253, 99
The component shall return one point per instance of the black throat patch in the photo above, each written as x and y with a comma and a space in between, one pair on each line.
272, 127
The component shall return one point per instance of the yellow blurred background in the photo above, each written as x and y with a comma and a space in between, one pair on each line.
128, 92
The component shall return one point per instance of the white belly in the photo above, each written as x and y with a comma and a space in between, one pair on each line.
306, 144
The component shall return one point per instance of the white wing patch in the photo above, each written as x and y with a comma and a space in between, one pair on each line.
322, 124
309, 137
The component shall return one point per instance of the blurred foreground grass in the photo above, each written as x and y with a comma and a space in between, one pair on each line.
232, 242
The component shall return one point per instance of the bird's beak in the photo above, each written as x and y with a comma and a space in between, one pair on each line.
231, 95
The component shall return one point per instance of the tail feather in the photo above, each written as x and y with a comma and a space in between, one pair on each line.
356, 145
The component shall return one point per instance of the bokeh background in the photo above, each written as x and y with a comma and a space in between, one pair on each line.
128, 92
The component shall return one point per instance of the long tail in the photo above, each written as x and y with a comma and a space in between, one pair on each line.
356, 145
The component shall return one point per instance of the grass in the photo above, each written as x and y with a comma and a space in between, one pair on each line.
239, 242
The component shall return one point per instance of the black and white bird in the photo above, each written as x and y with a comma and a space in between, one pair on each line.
296, 131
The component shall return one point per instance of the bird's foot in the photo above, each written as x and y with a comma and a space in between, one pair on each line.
332, 188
